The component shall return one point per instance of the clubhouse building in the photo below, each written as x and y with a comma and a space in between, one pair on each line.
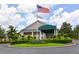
40, 30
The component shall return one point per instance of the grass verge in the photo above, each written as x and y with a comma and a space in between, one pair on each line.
37, 45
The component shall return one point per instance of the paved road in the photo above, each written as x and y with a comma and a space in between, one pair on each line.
49, 50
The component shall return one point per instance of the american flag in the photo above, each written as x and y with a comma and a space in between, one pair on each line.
42, 9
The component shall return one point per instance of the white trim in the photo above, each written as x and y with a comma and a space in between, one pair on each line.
32, 33
40, 35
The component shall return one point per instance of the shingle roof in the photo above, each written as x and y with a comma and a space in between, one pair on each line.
32, 24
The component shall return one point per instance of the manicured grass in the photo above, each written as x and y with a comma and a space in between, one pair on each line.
37, 45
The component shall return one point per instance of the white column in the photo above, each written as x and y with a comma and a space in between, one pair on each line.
40, 35
37, 34
44, 35
55, 32
32, 33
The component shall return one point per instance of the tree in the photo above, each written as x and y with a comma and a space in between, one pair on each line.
66, 29
76, 32
2, 33
12, 33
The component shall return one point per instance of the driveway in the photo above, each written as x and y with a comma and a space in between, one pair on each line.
45, 50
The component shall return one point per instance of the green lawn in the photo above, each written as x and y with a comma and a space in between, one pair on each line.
37, 45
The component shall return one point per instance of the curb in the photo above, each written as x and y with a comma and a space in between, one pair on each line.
9, 46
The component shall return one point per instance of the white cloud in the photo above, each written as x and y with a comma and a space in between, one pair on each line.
5, 10
28, 8
30, 18
56, 20
22, 22
1, 16
14, 19
17, 17
72, 17
4, 6
60, 10
8, 16
11, 10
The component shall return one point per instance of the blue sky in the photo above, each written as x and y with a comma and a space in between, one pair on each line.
22, 15
67, 7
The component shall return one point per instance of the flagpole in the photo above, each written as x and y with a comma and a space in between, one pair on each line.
56, 28
37, 23
41, 9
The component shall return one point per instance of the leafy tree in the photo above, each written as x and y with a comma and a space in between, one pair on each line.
76, 32
66, 29
12, 33
2, 33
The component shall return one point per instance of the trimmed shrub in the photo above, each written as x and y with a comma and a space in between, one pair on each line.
19, 41
37, 41
58, 41
28, 41
34, 38
68, 38
41, 41
4, 42
29, 37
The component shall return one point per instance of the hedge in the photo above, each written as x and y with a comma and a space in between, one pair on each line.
28, 41
41, 41
4, 42
19, 42
58, 41
36, 41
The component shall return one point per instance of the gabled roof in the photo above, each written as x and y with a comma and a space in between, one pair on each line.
35, 22
32, 24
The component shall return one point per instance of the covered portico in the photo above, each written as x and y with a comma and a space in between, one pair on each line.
49, 30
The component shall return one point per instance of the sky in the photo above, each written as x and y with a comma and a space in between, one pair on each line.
22, 15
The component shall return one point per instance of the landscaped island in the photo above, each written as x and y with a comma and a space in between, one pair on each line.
37, 45
42, 43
